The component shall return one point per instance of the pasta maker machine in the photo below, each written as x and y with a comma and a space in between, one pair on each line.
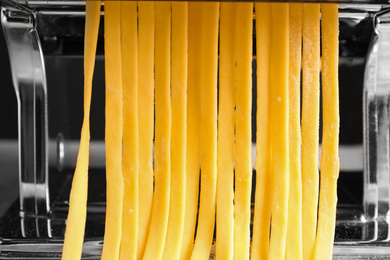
45, 46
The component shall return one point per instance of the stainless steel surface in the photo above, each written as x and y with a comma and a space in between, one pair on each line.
377, 121
28, 73
78, 3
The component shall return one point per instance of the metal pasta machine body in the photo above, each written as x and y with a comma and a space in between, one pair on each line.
45, 45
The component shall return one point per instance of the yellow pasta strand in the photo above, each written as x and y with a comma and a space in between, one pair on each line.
262, 214
130, 162
329, 157
114, 131
75, 225
310, 122
294, 229
145, 118
162, 153
179, 129
243, 173
279, 128
208, 77
193, 128
225, 145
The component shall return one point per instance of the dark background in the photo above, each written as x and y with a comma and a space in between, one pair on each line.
8, 130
